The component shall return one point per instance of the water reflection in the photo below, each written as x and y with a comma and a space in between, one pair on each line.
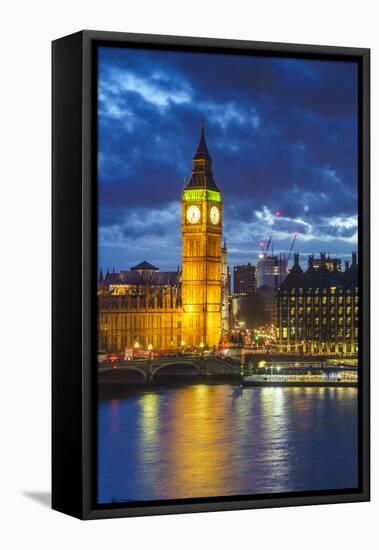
204, 440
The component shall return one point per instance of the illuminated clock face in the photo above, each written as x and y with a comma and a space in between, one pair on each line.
214, 215
193, 214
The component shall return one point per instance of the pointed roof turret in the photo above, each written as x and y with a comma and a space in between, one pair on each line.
296, 263
101, 276
202, 152
353, 261
144, 266
202, 176
295, 275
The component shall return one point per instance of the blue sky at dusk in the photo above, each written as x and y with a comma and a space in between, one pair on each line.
282, 134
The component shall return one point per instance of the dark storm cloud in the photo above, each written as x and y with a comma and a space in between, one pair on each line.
282, 134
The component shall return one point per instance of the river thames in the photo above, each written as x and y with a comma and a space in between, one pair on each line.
211, 440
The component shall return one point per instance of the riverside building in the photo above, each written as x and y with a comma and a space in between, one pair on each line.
318, 309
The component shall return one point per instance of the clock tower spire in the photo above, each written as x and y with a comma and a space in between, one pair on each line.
202, 175
201, 234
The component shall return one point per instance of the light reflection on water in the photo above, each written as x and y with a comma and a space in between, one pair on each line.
212, 440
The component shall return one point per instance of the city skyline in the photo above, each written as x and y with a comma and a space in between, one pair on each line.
254, 368
281, 132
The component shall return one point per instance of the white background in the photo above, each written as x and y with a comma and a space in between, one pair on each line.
26, 31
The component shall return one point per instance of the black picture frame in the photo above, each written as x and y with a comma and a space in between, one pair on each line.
74, 272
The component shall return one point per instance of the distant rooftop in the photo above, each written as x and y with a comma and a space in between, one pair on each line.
144, 266
320, 276
142, 274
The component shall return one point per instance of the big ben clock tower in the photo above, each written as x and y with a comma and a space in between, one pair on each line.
201, 266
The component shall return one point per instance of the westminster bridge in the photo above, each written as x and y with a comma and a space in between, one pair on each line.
151, 370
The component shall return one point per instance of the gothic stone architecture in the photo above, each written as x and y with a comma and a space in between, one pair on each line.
317, 310
139, 307
188, 307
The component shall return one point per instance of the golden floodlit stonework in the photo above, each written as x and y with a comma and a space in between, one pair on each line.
145, 307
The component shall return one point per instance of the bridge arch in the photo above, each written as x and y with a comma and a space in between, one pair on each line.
172, 366
136, 369
113, 375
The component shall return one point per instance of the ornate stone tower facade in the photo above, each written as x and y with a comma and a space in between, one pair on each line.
225, 291
202, 255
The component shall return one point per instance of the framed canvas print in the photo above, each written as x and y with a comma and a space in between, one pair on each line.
210, 274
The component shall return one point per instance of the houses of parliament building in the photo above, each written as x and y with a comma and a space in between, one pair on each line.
188, 307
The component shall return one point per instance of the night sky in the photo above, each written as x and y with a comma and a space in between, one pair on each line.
282, 134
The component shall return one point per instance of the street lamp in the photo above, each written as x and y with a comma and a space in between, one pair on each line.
136, 345
149, 359
150, 350
182, 343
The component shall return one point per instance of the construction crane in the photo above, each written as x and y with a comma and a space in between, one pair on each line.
292, 245
277, 215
